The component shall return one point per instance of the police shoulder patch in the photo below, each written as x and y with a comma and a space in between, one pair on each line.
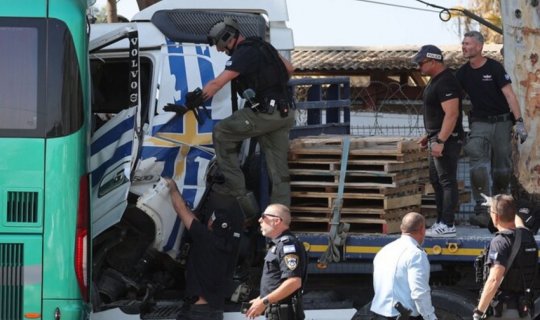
291, 261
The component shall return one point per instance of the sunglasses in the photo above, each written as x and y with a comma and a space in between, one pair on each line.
265, 215
421, 63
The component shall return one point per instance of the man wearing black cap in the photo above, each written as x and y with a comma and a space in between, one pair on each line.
259, 74
494, 111
442, 120
211, 259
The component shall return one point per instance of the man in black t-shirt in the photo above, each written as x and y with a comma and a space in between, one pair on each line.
259, 74
211, 259
494, 110
443, 123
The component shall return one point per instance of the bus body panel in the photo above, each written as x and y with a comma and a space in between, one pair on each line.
61, 178
69, 309
21, 173
23, 8
44, 142
21, 275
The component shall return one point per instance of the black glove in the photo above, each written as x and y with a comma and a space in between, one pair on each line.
171, 107
194, 99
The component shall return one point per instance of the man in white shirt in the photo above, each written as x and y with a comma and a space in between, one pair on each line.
401, 273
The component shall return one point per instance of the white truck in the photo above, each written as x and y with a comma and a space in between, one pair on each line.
137, 69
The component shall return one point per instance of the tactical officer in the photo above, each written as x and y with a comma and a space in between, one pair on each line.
211, 259
284, 271
260, 74
510, 265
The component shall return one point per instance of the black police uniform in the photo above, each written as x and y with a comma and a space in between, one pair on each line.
269, 118
261, 70
209, 268
285, 259
442, 170
522, 272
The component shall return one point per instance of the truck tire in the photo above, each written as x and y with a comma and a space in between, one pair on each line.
453, 303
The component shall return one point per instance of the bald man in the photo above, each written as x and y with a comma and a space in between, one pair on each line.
408, 264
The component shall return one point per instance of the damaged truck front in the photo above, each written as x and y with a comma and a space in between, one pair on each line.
137, 69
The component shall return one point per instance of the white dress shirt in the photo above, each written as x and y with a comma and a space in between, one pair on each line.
401, 273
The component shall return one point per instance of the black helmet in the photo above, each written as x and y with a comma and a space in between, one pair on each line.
222, 31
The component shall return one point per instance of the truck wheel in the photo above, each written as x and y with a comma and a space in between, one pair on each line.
453, 303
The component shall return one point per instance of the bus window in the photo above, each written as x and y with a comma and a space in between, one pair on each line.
18, 92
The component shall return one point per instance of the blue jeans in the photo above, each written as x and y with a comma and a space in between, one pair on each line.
443, 178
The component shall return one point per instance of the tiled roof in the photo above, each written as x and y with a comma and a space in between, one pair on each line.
358, 59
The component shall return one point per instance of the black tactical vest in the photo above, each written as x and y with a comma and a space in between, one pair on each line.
271, 80
523, 271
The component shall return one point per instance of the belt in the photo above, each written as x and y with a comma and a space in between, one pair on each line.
379, 317
493, 119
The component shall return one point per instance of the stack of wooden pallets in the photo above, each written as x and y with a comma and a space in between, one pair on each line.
428, 198
381, 182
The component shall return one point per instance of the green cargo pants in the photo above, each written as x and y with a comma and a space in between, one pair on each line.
272, 132
489, 148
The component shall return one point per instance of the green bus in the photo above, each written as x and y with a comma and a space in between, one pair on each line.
44, 193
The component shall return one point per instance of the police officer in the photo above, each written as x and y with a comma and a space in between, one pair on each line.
211, 259
442, 120
260, 74
508, 282
284, 271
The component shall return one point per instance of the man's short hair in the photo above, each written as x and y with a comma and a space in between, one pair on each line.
281, 211
476, 35
412, 222
503, 205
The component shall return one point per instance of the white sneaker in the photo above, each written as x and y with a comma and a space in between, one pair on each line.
439, 230
435, 225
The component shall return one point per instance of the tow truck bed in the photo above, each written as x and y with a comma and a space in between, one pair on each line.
464, 247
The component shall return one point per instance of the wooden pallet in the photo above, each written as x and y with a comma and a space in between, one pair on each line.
356, 178
332, 188
322, 148
464, 196
374, 222
378, 166
380, 187
325, 214
354, 200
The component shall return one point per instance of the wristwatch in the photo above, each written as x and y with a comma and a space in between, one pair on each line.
439, 141
266, 301
520, 119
